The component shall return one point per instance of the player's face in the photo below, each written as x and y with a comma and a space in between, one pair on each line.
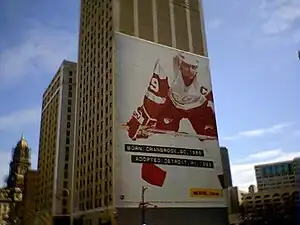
188, 71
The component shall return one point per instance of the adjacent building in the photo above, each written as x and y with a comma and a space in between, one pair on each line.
56, 143
19, 164
233, 199
277, 189
270, 198
11, 196
279, 175
18, 167
177, 24
226, 167
252, 189
30, 188
4, 211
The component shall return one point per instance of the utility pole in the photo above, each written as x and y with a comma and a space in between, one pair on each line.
143, 205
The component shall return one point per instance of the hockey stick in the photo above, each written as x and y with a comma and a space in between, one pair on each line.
172, 133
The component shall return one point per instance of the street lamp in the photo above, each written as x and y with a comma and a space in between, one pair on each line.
143, 205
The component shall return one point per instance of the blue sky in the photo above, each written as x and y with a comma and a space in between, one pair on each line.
255, 70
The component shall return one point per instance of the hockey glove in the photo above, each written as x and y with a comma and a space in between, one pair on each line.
138, 124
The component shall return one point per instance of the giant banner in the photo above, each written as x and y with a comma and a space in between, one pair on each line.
165, 128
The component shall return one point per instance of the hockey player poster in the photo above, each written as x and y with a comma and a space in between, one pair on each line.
165, 127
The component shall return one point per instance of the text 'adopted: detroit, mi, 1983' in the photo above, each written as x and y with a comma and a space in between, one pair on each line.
168, 160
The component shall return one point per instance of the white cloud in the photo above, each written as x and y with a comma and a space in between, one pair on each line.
243, 174
19, 119
42, 50
279, 15
265, 154
5, 158
259, 132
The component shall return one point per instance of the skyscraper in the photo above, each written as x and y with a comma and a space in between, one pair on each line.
56, 143
173, 23
226, 167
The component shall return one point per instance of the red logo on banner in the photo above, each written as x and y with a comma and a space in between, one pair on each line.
153, 174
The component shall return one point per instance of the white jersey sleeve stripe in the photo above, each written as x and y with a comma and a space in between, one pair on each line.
159, 71
155, 98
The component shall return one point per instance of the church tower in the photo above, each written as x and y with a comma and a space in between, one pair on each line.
19, 164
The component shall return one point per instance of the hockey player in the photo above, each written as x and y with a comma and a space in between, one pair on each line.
168, 100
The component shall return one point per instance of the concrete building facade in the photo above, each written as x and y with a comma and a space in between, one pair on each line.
279, 175
4, 213
56, 143
252, 189
261, 199
174, 23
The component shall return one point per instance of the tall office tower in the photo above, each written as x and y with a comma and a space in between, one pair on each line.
112, 31
226, 167
56, 143
279, 175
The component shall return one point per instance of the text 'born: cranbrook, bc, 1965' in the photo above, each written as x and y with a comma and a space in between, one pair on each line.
163, 150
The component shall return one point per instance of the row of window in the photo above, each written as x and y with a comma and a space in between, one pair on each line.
54, 85
48, 141
67, 146
94, 131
